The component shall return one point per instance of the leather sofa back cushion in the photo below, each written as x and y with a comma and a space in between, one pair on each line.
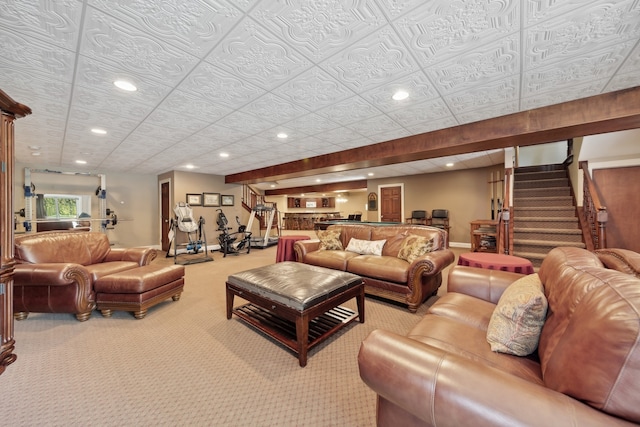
348, 232
77, 247
590, 344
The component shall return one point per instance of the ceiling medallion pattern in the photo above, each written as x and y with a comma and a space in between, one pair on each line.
237, 72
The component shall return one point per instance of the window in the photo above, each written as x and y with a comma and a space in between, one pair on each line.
57, 206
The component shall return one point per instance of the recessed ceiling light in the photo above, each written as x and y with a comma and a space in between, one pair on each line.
282, 135
224, 155
81, 162
189, 166
318, 180
99, 131
34, 147
400, 95
449, 165
125, 85
370, 174
273, 186
35, 153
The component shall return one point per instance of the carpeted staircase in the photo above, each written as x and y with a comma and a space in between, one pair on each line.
544, 215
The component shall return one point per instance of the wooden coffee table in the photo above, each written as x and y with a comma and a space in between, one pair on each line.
296, 304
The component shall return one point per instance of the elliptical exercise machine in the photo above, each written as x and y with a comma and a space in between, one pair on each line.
228, 240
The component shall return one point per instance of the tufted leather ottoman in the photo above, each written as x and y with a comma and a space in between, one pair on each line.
138, 289
296, 304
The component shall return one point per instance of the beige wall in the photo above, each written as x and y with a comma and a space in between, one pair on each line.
465, 193
198, 183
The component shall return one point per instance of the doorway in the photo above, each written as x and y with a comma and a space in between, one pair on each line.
165, 214
391, 205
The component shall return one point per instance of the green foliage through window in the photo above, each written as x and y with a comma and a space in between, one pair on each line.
61, 206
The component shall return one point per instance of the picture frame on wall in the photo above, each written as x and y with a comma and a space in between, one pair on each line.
194, 199
211, 199
227, 200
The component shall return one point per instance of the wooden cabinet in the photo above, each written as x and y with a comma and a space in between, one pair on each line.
9, 111
484, 235
311, 202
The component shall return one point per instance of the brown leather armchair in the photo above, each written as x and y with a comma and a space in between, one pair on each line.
55, 271
585, 372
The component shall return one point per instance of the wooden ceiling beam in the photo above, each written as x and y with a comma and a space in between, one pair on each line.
320, 188
608, 112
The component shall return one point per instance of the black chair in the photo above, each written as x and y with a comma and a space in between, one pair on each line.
419, 217
440, 218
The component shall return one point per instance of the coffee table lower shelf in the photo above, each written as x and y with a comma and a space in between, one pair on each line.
284, 331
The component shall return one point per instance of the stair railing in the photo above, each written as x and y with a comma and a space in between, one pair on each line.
595, 214
505, 229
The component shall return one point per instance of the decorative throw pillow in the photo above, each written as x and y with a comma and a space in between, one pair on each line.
414, 246
518, 318
329, 240
366, 247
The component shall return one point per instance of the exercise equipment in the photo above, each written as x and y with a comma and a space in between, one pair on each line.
228, 240
267, 240
196, 236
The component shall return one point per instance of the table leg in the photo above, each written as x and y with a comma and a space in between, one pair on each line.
360, 302
302, 336
230, 296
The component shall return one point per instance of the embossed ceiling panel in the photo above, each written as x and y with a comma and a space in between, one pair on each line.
229, 75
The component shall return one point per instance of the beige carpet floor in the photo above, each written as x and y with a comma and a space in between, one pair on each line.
186, 364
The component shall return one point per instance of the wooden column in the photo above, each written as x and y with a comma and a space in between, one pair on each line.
9, 111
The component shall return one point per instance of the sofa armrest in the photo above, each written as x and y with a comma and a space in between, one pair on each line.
143, 256
480, 282
432, 263
620, 259
303, 247
444, 389
51, 274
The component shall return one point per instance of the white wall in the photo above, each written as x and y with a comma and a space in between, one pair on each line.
543, 154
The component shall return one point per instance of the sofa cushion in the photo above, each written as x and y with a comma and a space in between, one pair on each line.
518, 318
379, 267
329, 240
393, 245
62, 246
365, 247
330, 259
414, 246
464, 308
106, 268
590, 344
465, 340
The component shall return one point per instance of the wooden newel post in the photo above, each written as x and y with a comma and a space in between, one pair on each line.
602, 217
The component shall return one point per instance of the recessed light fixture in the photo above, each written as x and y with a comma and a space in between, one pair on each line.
99, 131
81, 162
189, 166
35, 153
318, 180
282, 135
370, 174
449, 165
273, 186
125, 85
400, 95
34, 147
225, 155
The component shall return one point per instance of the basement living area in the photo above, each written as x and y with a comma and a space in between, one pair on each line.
320, 213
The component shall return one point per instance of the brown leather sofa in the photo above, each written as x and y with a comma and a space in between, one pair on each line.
55, 271
385, 275
585, 372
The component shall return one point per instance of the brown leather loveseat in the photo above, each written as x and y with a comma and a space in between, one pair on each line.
385, 275
55, 271
585, 371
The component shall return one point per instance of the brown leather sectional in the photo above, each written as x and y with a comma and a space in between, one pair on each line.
585, 372
386, 275
56, 271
